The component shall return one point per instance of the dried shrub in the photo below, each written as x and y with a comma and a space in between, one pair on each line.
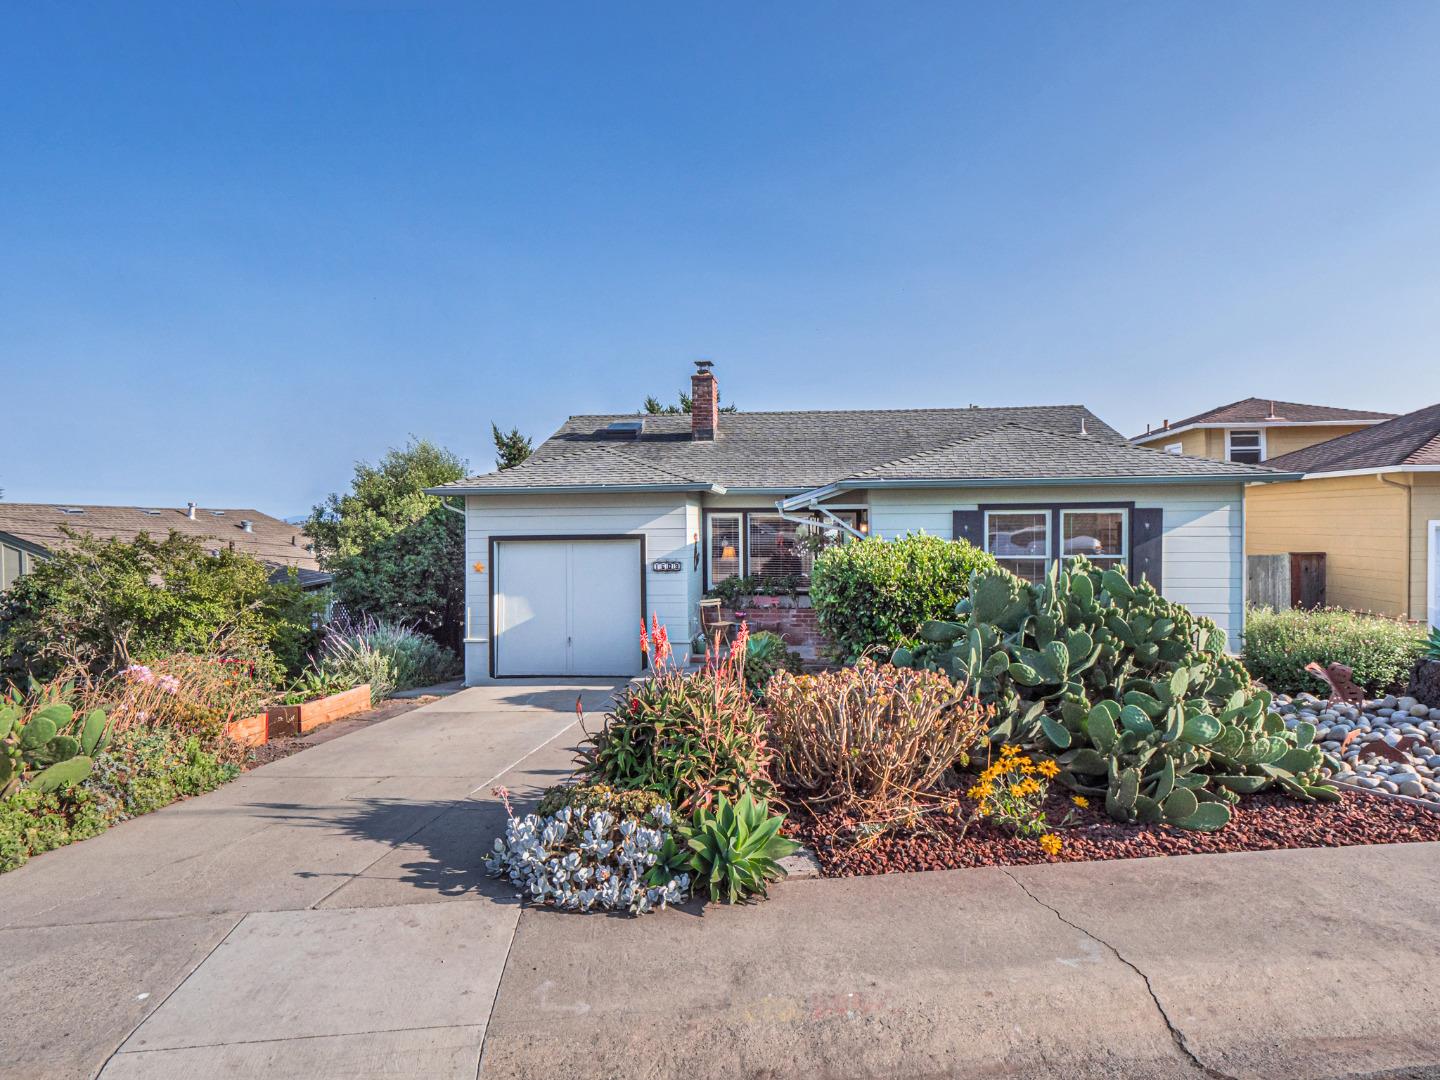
871, 735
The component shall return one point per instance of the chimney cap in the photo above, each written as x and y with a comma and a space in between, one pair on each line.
704, 366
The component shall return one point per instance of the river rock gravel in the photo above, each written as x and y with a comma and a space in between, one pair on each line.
1388, 720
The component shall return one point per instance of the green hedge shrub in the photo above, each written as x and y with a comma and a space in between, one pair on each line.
1380, 651
877, 592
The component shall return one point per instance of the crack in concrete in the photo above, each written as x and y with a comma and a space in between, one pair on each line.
1176, 1035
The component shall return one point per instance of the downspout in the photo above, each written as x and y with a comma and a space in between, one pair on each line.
464, 541
1409, 544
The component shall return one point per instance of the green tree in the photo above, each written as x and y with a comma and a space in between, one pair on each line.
100, 605
383, 499
396, 552
652, 406
511, 448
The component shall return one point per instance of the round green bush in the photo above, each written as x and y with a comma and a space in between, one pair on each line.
876, 593
1278, 644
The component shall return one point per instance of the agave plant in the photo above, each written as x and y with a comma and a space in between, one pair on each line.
1432, 645
736, 847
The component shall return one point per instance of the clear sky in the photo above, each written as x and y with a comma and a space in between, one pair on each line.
244, 244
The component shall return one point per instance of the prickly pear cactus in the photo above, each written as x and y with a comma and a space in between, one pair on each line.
1133, 695
45, 746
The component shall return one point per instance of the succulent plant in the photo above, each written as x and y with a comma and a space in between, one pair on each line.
579, 862
1133, 695
44, 745
735, 848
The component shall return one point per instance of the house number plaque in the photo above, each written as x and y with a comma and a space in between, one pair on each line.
667, 566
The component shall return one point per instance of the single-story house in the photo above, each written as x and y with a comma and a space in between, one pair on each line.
1371, 502
31, 532
614, 518
1256, 430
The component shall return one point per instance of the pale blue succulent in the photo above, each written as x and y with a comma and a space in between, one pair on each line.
579, 864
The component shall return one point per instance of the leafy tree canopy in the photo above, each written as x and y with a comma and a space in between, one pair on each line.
383, 499
100, 605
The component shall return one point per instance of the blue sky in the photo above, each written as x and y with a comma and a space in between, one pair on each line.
244, 245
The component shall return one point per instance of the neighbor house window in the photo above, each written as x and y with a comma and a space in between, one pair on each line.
1246, 447
1099, 535
1176, 448
759, 543
1019, 540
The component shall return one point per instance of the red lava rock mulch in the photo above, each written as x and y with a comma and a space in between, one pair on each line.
1263, 822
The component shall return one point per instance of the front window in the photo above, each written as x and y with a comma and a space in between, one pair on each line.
1246, 447
1099, 535
725, 555
756, 543
1019, 540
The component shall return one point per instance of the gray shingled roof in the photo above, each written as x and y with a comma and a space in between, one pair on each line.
1412, 439
798, 451
1253, 410
274, 542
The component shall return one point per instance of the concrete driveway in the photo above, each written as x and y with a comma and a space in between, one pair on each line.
325, 917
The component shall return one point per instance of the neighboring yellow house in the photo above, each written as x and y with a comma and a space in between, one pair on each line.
1257, 430
1371, 502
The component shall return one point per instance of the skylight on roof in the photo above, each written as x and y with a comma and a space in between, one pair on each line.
147, 510
216, 513
71, 509
625, 427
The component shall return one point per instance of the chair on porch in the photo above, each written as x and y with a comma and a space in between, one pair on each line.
713, 624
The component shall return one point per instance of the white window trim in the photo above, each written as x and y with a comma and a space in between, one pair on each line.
1229, 437
740, 541
1176, 448
1124, 556
1047, 558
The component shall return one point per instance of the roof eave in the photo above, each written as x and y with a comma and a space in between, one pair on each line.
807, 497
576, 489
1375, 471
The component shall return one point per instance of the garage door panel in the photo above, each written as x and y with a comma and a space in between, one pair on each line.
530, 609
567, 607
605, 607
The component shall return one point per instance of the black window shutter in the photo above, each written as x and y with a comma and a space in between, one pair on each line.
1148, 527
969, 525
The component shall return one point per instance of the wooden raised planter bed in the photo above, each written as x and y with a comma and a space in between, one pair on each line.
286, 720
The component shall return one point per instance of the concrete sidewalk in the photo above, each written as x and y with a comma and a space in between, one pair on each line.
286, 924
326, 917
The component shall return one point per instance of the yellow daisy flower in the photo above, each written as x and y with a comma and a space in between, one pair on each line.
1050, 844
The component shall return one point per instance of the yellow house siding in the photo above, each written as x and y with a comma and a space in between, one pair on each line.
1424, 508
1359, 522
1281, 439
1286, 440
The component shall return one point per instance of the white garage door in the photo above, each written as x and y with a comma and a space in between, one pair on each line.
567, 607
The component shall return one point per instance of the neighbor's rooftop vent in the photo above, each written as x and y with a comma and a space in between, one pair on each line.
247, 525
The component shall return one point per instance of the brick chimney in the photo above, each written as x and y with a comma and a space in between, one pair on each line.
704, 402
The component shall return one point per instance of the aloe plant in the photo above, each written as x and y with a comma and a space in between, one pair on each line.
1432, 644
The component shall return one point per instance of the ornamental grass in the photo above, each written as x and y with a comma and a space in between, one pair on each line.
872, 736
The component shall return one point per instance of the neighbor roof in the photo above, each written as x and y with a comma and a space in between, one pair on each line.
274, 542
1268, 412
786, 452
1409, 440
